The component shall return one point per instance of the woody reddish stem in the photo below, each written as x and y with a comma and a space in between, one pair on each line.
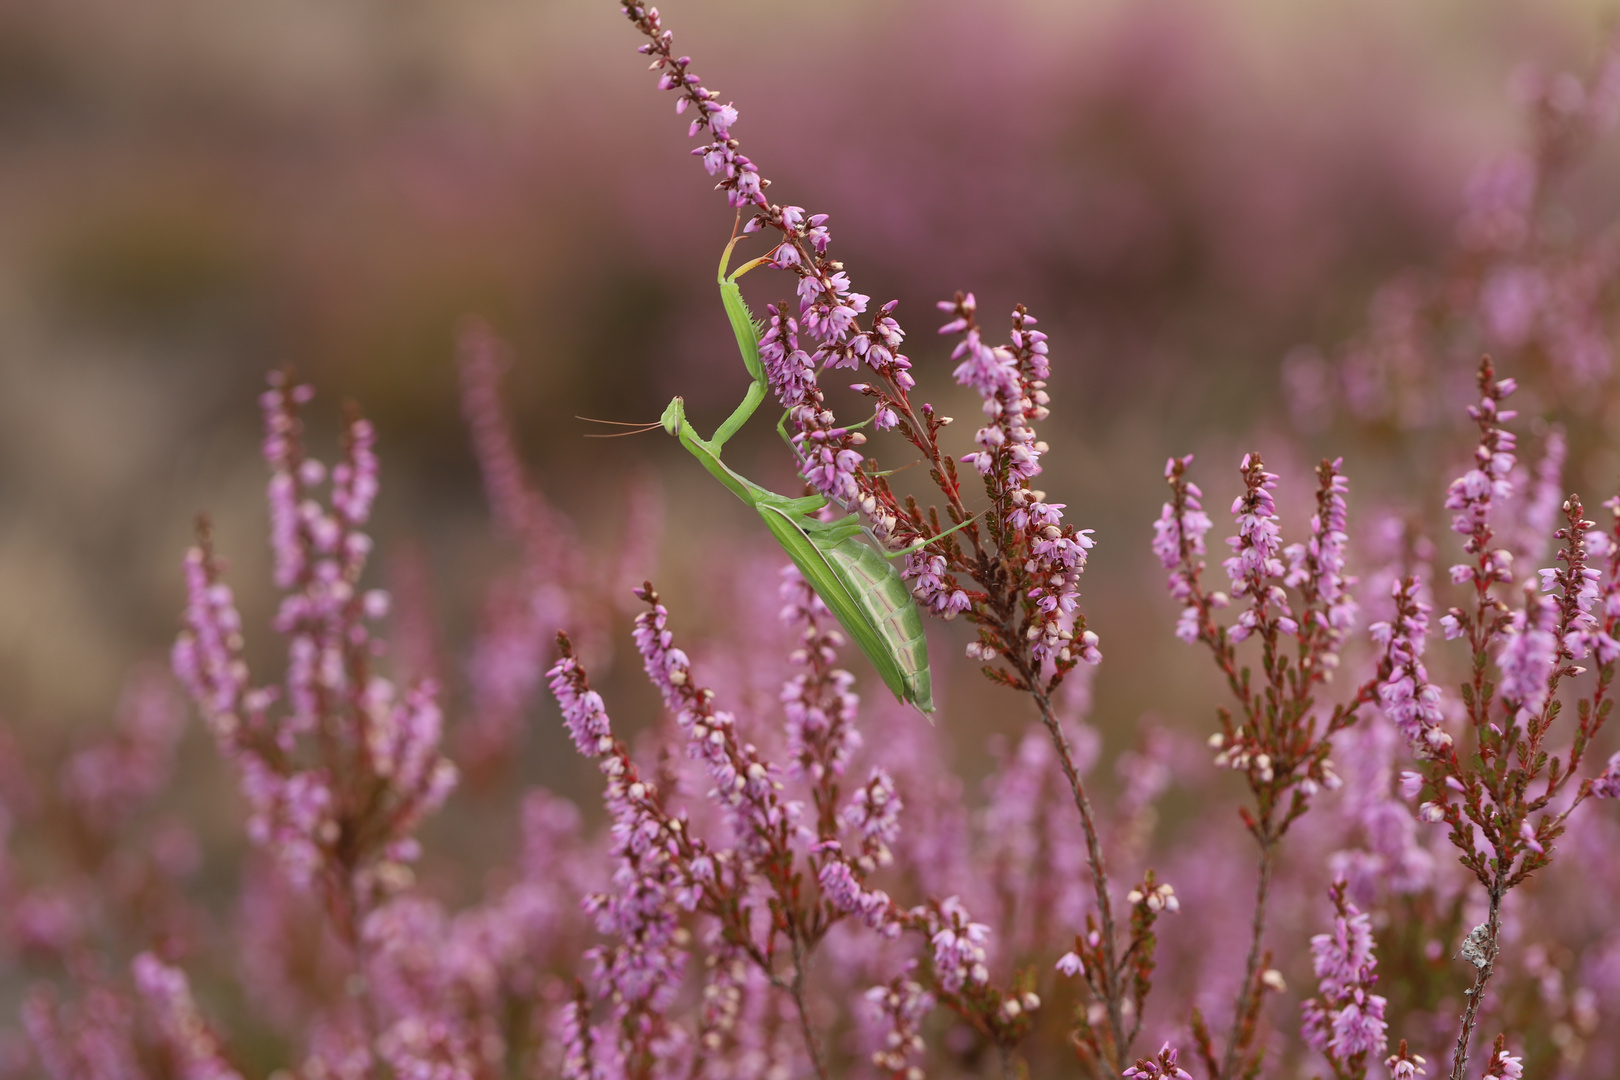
1251, 968
1113, 986
1459, 1056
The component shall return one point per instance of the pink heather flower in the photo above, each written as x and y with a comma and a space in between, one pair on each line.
1475, 493
959, 955
1538, 517
1174, 529
1404, 1065
993, 374
354, 480
1583, 583
294, 809
873, 816
582, 709
1070, 964
827, 309
729, 978
1182, 524
376, 768
1255, 561
1607, 785
1510, 303
404, 740
819, 705
841, 889
523, 608
1504, 1066
1011, 381
207, 654
289, 474
482, 359
421, 970
422, 1048
1036, 865
1411, 784
1404, 691
899, 1008
644, 968
507, 663
1318, 567
1347, 1019
1529, 652
93, 1041
829, 465
791, 373
1258, 543
1391, 859
745, 785
932, 587
1161, 1067
588, 1053
168, 998
108, 779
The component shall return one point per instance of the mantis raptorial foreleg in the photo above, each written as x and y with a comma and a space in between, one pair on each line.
854, 579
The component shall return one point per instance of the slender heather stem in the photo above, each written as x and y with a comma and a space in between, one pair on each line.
1113, 989
796, 988
1008, 1060
1251, 970
1482, 975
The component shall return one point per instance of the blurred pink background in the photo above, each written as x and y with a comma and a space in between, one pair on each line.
194, 192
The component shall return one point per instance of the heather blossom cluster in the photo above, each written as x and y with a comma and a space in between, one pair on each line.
1257, 554
1346, 1022
194, 1045
346, 814
1487, 809
642, 969
1012, 383
1178, 541
666, 868
1407, 696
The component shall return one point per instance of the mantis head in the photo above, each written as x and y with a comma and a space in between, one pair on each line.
674, 416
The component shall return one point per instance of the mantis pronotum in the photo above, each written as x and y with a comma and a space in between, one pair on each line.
854, 579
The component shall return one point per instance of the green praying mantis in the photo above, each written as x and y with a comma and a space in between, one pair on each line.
854, 579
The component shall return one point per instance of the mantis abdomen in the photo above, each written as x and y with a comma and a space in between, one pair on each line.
867, 595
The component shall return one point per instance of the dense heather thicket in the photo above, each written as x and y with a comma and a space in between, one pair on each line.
785, 877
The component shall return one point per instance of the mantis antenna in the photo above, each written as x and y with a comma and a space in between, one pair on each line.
640, 429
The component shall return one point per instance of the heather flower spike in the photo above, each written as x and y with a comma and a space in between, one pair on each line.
1405, 1065
1503, 1065
336, 783
1160, 1067
1277, 738
1345, 1021
1501, 801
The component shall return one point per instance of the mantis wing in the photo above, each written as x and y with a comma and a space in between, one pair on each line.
865, 594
